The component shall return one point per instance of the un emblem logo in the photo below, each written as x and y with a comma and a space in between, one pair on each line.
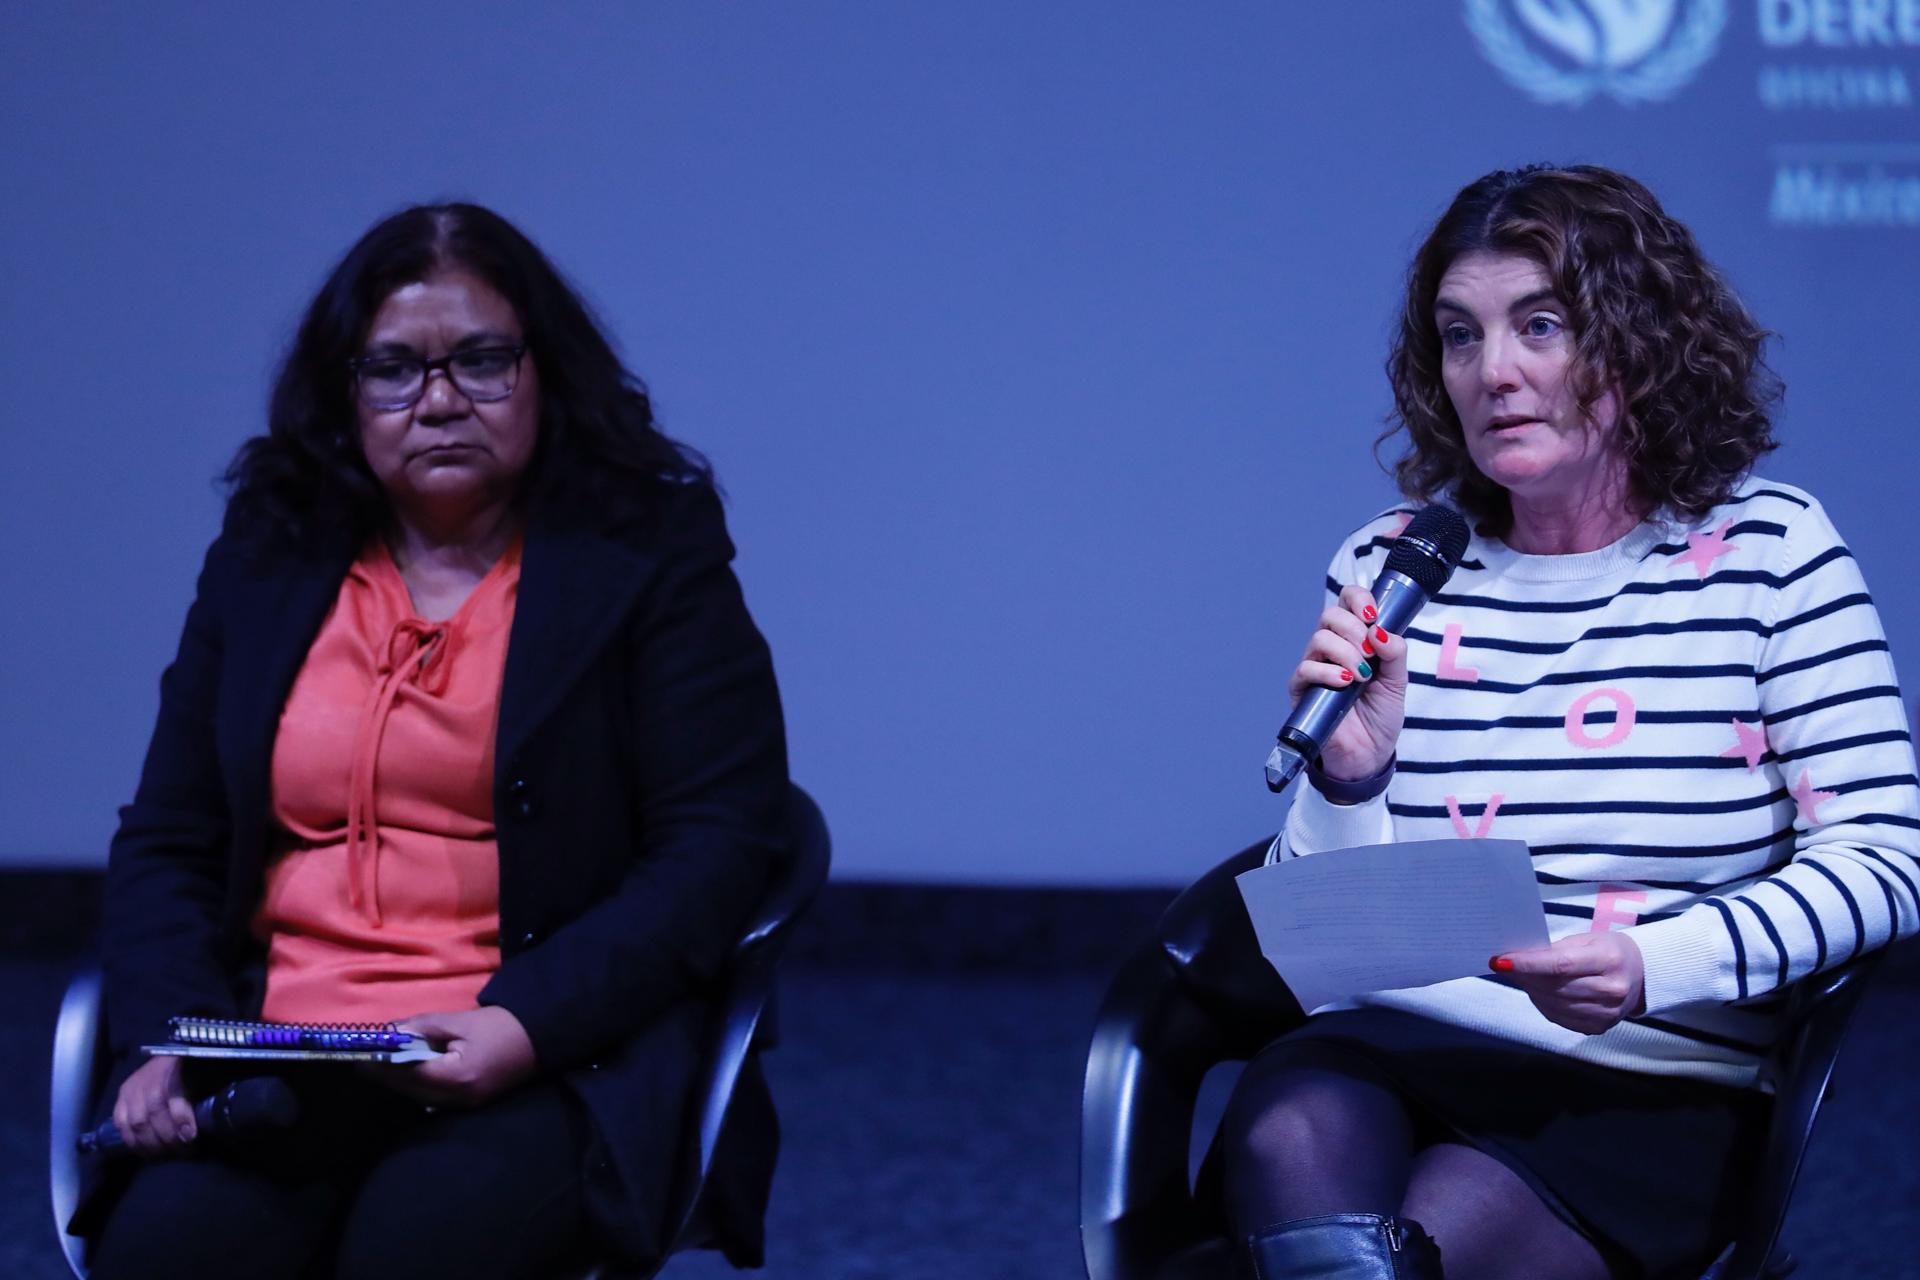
1562, 52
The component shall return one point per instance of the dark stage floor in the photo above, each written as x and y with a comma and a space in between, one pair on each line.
931, 1126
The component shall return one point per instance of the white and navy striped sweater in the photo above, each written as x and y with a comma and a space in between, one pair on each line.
1698, 732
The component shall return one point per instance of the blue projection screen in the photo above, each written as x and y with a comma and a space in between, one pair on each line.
1038, 345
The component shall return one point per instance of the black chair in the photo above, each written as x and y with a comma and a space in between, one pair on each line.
742, 1025
1200, 994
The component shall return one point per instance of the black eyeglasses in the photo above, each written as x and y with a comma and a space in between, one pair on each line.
482, 374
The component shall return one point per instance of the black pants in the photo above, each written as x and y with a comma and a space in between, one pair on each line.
366, 1184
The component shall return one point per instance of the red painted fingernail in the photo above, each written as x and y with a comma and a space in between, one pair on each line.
1380, 634
1366, 647
1500, 964
1370, 613
1345, 675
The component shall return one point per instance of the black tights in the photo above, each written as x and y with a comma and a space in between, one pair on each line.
1314, 1129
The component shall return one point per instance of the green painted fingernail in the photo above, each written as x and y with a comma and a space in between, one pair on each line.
1366, 672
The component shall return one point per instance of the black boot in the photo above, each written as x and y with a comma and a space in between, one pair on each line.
1344, 1246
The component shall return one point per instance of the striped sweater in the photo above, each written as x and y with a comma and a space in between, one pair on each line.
1698, 732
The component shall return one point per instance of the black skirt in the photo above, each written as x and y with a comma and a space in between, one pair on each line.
1653, 1169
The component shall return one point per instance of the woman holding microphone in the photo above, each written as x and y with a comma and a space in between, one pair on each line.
1661, 672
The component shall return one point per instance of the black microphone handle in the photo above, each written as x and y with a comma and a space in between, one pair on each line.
258, 1102
1321, 709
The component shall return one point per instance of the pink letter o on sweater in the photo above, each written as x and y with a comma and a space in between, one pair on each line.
1622, 718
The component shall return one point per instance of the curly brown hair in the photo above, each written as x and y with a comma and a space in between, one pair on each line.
1651, 318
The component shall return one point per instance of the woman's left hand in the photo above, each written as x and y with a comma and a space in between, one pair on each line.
487, 1053
1585, 982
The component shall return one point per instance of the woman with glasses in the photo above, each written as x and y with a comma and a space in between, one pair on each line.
469, 730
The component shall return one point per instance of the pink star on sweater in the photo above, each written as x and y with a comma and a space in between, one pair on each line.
1752, 744
1808, 799
1704, 548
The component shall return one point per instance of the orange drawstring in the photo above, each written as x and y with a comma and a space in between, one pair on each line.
414, 652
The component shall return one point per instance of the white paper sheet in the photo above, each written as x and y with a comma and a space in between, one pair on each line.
1382, 917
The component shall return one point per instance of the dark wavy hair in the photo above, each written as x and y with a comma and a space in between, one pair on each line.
598, 449
1651, 320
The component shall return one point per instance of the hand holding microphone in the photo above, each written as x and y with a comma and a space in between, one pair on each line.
153, 1117
1351, 648
1359, 656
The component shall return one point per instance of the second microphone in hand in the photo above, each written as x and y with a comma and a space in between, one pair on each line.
1418, 564
253, 1105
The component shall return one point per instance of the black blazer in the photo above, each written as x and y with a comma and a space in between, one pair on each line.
639, 792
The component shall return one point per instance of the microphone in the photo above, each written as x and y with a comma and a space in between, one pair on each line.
245, 1106
1418, 564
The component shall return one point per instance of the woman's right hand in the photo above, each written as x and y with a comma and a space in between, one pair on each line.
1350, 647
152, 1112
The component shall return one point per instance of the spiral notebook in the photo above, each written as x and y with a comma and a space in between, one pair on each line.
292, 1041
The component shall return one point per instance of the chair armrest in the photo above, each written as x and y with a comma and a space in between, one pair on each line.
796, 881
1210, 946
1151, 1048
79, 1052
1819, 1009
750, 978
